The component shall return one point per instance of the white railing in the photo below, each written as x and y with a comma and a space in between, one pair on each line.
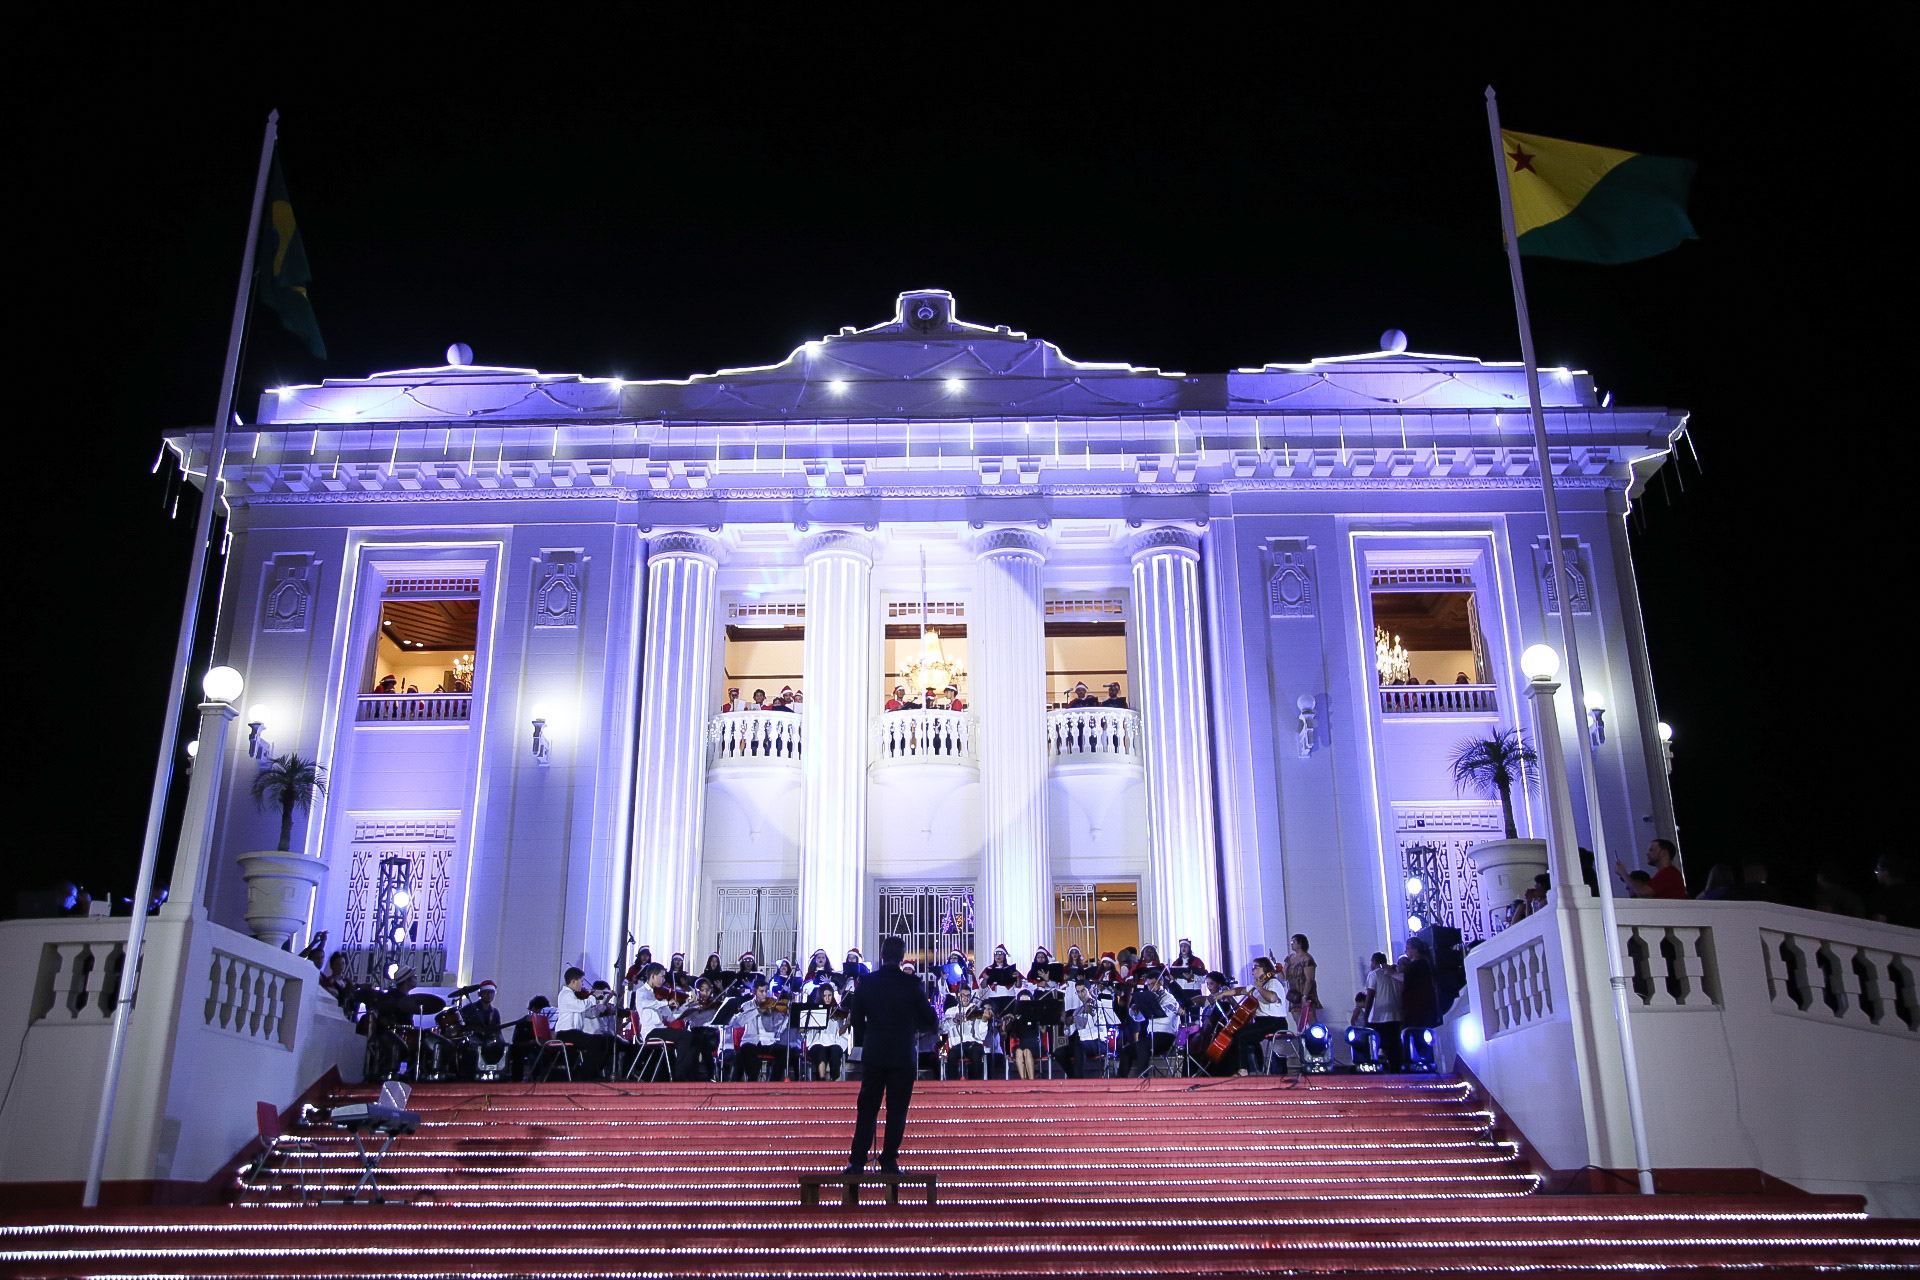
754, 737
1828, 980
78, 982
1432, 699
1672, 966
1094, 734
1515, 989
936, 737
250, 1000
430, 708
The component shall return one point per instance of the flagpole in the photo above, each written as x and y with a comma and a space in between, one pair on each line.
1616, 978
182, 655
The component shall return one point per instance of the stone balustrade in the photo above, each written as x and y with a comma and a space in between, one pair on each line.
415, 708
1438, 699
737, 738
918, 735
1095, 734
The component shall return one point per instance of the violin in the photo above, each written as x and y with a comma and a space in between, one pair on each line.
773, 1004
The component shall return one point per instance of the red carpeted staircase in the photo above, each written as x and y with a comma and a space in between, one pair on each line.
1239, 1177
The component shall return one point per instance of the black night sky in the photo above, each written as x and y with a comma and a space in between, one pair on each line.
1189, 188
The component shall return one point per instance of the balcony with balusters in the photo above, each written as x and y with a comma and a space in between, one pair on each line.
1094, 739
753, 739
925, 737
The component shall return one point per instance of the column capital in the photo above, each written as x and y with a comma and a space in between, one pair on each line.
837, 542
1009, 542
687, 544
1164, 539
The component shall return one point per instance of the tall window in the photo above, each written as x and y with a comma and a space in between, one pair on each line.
764, 655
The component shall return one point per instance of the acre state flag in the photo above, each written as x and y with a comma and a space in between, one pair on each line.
1595, 204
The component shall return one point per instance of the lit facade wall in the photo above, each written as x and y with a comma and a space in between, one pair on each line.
1258, 788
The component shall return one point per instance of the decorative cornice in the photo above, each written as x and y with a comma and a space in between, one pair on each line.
685, 544
1009, 542
1165, 539
837, 542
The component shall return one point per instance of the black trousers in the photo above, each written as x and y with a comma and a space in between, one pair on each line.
827, 1062
706, 1046
596, 1051
682, 1041
967, 1061
895, 1084
746, 1062
1074, 1055
1246, 1043
1142, 1050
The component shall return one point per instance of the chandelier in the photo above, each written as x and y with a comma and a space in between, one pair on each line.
934, 668
1389, 658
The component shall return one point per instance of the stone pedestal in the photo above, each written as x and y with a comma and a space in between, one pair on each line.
1183, 887
1007, 647
839, 680
676, 697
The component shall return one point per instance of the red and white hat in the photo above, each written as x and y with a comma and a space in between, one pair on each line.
488, 984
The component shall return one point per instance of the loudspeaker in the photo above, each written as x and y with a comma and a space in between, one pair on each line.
1449, 963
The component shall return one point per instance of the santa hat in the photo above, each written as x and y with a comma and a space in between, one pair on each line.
1114, 684
1001, 950
488, 984
1042, 951
1107, 957
678, 955
786, 688
1081, 685
746, 955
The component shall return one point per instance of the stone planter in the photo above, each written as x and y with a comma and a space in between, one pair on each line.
278, 885
1507, 869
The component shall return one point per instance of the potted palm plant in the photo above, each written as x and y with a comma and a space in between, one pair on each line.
279, 881
1495, 765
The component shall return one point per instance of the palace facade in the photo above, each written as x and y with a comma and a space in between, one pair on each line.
506, 608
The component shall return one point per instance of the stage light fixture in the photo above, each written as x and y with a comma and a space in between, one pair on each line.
1415, 924
1415, 886
1316, 1050
1363, 1047
1419, 1044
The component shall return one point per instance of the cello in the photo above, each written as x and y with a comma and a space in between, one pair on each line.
1223, 1039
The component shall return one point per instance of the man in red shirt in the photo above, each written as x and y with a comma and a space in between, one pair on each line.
1666, 880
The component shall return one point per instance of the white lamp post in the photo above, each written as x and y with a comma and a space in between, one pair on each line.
222, 687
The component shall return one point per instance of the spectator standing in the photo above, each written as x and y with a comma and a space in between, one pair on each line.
1665, 880
1383, 1006
1419, 1001
1720, 882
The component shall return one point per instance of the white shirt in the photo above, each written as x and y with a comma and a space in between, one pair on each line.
964, 1030
1272, 1004
1386, 995
578, 1012
758, 1028
1169, 1020
654, 1011
839, 1032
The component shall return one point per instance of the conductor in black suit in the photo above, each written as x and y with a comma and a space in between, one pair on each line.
888, 1011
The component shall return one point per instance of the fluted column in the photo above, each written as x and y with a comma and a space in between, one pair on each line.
838, 679
1171, 684
192, 859
676, 681
1007, 650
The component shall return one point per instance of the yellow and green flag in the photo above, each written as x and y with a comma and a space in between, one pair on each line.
282, 273
1595, 204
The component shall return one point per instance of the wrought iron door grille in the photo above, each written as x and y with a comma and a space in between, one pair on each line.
1073, 920
764, 921
932, 919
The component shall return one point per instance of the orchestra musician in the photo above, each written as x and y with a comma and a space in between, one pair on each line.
1075, 967
1043, 972
763, 1032
965, 1026
827, 1047
958, 970
580, 1012
1020, 1029
478, 1018
1270, 1014
715, 974
696, 1015
819, 970
850, 970
655, 1006
743, 977
1158, 1013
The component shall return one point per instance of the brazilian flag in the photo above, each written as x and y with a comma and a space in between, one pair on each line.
1595, 204
281, 273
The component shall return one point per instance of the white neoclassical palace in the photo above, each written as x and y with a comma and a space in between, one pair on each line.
507, 608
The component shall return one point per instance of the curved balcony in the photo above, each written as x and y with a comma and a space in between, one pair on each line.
1095, 736
741, 738
925, 737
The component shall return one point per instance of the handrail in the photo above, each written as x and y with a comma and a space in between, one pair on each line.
754, 737
918, 734
1095, 733
1431, 699
440, 708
